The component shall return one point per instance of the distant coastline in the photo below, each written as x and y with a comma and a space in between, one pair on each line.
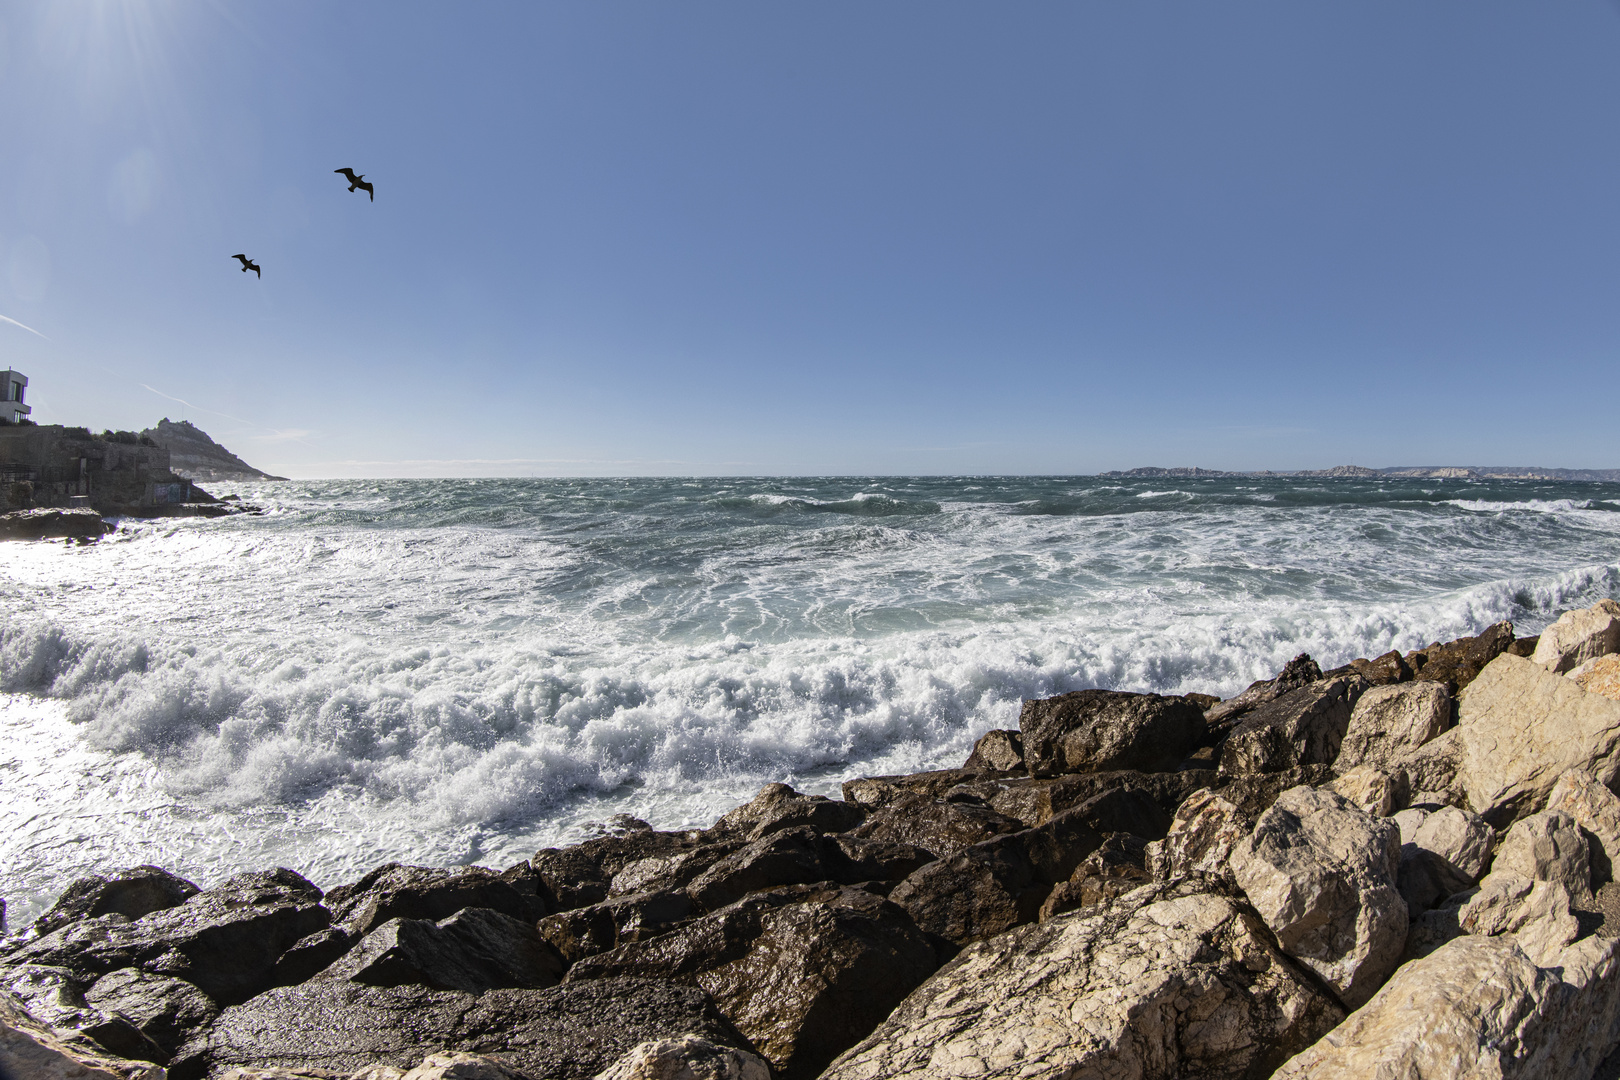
1397, 472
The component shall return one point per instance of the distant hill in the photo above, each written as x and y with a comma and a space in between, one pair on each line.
193, 455
1427, 472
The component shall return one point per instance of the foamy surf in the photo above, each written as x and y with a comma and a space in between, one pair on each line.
462, 671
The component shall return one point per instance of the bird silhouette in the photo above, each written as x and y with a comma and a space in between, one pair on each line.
358, 182
248, 264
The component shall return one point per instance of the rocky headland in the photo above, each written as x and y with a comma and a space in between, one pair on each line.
194, 455
1401, 868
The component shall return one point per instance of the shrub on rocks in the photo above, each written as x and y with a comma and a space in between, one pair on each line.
1166, 981
1322, 874
1103, 730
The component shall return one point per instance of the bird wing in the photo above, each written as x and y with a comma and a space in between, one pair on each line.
346, 172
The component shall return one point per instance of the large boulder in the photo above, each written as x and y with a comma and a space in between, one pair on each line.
1600, 676
566, 1032
1434, 771
1579, 636
1036, 800
1383, 670
1476, 1007
1442, 853
804, 973
1596, 810
999, 750
474, 950
131, 892
778, 807
1548, 846
1457, 663
226, 940
33, 1050
1112, 870
1536, 913
581, 932
396, 891
579, 875
165, 1011
1202, 835
999, 883
1322, 874
1372, 789
1298, 672
938, 826
1521, 728
690, 1057
1389, 722
1101, 730
1303, 727
1165, 982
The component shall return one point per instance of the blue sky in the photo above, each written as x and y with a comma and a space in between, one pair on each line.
931, 237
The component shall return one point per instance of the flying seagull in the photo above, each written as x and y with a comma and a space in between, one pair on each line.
358, 182
248, 264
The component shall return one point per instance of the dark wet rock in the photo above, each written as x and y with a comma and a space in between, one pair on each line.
581, 875
1104, 730
39, 524
938, 826
790, 857
1384, 670
567, 1032
582, 932
55, 996
1298, 672
1000, 750
998, 883
474, 950
225, 940
778, 807
1303, 727
666, 872
1457, 662
165, 1011
1525, 646
527, 884
876, 860
396, 891
874, 792
131, 892
310, 954
1035, 800
1112, 870
803, 972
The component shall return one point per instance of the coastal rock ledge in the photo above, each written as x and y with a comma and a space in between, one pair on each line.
1402, 868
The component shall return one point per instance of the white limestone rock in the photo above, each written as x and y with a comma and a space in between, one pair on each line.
1579, 636
1521, 728
1390, 721
1202, 833
1596, 810
1164, 982
690, 1057
1371, 789
1322, 874
1547, 847
1447, 852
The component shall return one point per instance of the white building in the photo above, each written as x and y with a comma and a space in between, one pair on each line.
13, 387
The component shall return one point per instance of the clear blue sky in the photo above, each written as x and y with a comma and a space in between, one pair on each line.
700, 237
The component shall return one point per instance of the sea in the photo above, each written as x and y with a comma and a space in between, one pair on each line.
448, 672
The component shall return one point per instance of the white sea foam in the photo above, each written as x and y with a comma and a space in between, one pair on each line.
387, 672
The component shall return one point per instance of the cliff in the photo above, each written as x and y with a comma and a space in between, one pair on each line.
195, 456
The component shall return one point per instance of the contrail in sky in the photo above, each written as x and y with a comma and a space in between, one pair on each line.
30, 329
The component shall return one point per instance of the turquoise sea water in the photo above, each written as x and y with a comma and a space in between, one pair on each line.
455, 671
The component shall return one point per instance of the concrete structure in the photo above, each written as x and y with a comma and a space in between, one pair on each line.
13, 388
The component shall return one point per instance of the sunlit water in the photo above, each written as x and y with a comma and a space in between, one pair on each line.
462, 671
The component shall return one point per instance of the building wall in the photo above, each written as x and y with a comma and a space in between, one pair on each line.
48, 465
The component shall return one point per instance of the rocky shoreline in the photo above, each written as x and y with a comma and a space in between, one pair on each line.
1399, 868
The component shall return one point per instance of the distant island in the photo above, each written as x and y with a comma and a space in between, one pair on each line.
195, 456
1427, 472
